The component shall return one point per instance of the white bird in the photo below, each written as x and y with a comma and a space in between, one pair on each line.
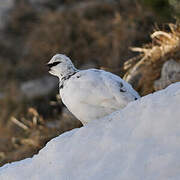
90, 94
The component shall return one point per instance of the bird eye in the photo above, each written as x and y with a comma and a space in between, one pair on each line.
53, 64
56, 63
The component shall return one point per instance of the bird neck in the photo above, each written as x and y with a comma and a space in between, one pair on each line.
67, 72
66, 77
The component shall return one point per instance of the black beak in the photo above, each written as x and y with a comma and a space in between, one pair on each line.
48, 66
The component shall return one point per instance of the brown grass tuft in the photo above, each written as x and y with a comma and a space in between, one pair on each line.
144, 69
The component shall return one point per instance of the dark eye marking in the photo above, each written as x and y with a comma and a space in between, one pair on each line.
53, 64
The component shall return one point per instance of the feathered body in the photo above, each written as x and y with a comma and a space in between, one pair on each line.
90, 94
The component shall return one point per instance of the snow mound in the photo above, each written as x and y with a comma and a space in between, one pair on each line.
140, 142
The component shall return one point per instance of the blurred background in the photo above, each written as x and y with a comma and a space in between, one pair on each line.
94, 33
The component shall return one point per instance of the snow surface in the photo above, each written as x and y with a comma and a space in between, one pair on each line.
139, 142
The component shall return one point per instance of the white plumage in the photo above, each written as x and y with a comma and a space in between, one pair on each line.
90, 94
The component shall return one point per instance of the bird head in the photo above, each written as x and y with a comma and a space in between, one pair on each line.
60, 65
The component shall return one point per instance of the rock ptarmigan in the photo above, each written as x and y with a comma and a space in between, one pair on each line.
90, 94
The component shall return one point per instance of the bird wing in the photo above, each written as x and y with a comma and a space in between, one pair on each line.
101, 88
120, 89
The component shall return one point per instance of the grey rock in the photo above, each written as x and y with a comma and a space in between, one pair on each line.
5, 6
38, 1
1, 95
170, 73
39, 87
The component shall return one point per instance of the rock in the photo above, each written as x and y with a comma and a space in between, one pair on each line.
170, 73
4, 8
1, 95
39, 87
38, 1
41, 5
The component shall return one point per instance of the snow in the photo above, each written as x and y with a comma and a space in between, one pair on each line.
139, 142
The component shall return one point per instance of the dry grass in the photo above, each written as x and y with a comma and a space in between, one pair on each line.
24, 137
143, 70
